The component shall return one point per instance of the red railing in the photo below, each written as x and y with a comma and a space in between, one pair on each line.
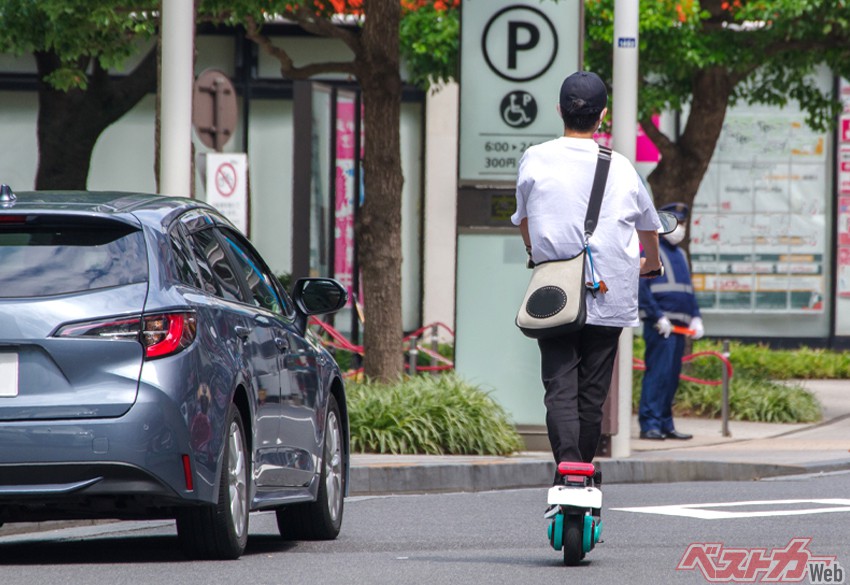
639, 364
332, 338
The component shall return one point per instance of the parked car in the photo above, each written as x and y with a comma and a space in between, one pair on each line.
151, 366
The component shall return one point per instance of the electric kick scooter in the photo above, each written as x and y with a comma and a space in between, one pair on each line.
574, 517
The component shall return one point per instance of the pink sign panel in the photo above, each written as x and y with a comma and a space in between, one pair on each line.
345, 192
645, 150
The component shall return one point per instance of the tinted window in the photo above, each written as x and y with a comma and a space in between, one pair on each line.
185, 269
210, 249
258, 279
50, 256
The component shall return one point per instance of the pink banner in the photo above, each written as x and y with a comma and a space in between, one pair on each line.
345, 192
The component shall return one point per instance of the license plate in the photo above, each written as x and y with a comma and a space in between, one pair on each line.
8, 375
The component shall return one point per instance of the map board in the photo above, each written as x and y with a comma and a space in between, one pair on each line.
758, 227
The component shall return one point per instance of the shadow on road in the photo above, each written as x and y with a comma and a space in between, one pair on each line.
119, 550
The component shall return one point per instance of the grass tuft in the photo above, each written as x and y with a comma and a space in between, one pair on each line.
428, 415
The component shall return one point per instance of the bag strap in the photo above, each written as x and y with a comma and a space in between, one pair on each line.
599, 179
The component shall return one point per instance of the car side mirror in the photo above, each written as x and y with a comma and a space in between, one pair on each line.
669, 222
316, 296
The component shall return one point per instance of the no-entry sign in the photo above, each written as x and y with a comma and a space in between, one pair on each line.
226, 187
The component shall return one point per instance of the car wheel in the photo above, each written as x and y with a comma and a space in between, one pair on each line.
322, 519
220, 531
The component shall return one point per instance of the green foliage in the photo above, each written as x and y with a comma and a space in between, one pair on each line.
749, 399
76, 31
428, 415
285, 280
430, 40
769, 48
429, 36
756, 391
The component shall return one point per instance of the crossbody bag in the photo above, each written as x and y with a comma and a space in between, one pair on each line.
555, 301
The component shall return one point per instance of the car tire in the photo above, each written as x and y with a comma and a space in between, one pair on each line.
220, 531
322, 519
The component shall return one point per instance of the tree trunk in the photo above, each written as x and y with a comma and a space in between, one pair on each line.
378, 231
684, 163
69, 123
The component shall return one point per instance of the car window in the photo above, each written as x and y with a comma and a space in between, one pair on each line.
185, 268
50, 255
257, 277
210, 249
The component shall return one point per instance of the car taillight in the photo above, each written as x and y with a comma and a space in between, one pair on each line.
167, 334
125, 328
161, 335
13, 219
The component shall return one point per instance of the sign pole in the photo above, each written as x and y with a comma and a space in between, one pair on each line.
175, 152
624, 135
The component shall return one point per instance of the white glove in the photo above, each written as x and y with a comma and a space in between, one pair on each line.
664, 327
697, 328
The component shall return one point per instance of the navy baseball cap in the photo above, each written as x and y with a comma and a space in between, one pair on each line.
680, 210
583, 93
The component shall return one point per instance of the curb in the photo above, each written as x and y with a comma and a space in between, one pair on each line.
440, 477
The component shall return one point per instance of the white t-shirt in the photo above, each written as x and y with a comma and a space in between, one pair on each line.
553, 190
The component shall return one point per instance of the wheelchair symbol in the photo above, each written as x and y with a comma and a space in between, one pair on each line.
518, 109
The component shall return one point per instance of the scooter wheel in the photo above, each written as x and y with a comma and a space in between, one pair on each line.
573, 539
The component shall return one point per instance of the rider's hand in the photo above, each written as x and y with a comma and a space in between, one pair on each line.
664, 327
650, 271
529, 263
697, 327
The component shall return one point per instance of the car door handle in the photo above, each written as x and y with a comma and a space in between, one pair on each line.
242, 331
282, 343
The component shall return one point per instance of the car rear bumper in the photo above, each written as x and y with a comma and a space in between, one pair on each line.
126, 467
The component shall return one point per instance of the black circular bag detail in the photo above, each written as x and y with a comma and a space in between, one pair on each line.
546, 302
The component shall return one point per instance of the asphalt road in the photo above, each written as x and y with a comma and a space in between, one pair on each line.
466, 538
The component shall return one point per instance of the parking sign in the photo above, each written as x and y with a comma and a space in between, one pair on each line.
514, 55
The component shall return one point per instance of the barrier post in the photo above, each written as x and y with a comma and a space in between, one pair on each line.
413, 354
724, 412
435, 347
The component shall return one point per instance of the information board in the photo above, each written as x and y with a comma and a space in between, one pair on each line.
515, 54
842, 292
758, 227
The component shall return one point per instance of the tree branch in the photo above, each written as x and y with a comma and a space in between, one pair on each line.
141, 81
287, 67
323, 27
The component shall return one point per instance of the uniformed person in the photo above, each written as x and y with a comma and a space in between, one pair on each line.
664, 302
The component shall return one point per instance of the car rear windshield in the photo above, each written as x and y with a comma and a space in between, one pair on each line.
48, 255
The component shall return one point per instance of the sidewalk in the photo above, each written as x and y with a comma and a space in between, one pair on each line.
754, 450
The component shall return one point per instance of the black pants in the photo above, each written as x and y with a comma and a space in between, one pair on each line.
577, 370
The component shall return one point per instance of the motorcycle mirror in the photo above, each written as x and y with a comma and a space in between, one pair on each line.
669, 222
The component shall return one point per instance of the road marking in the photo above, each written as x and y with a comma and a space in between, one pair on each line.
704, 511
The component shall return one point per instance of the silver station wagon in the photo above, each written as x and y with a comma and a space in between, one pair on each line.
151, 366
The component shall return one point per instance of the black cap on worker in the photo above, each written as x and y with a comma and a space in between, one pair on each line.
583, 93
679, 209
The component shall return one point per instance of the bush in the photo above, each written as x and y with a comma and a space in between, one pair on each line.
755, 393
428, 415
